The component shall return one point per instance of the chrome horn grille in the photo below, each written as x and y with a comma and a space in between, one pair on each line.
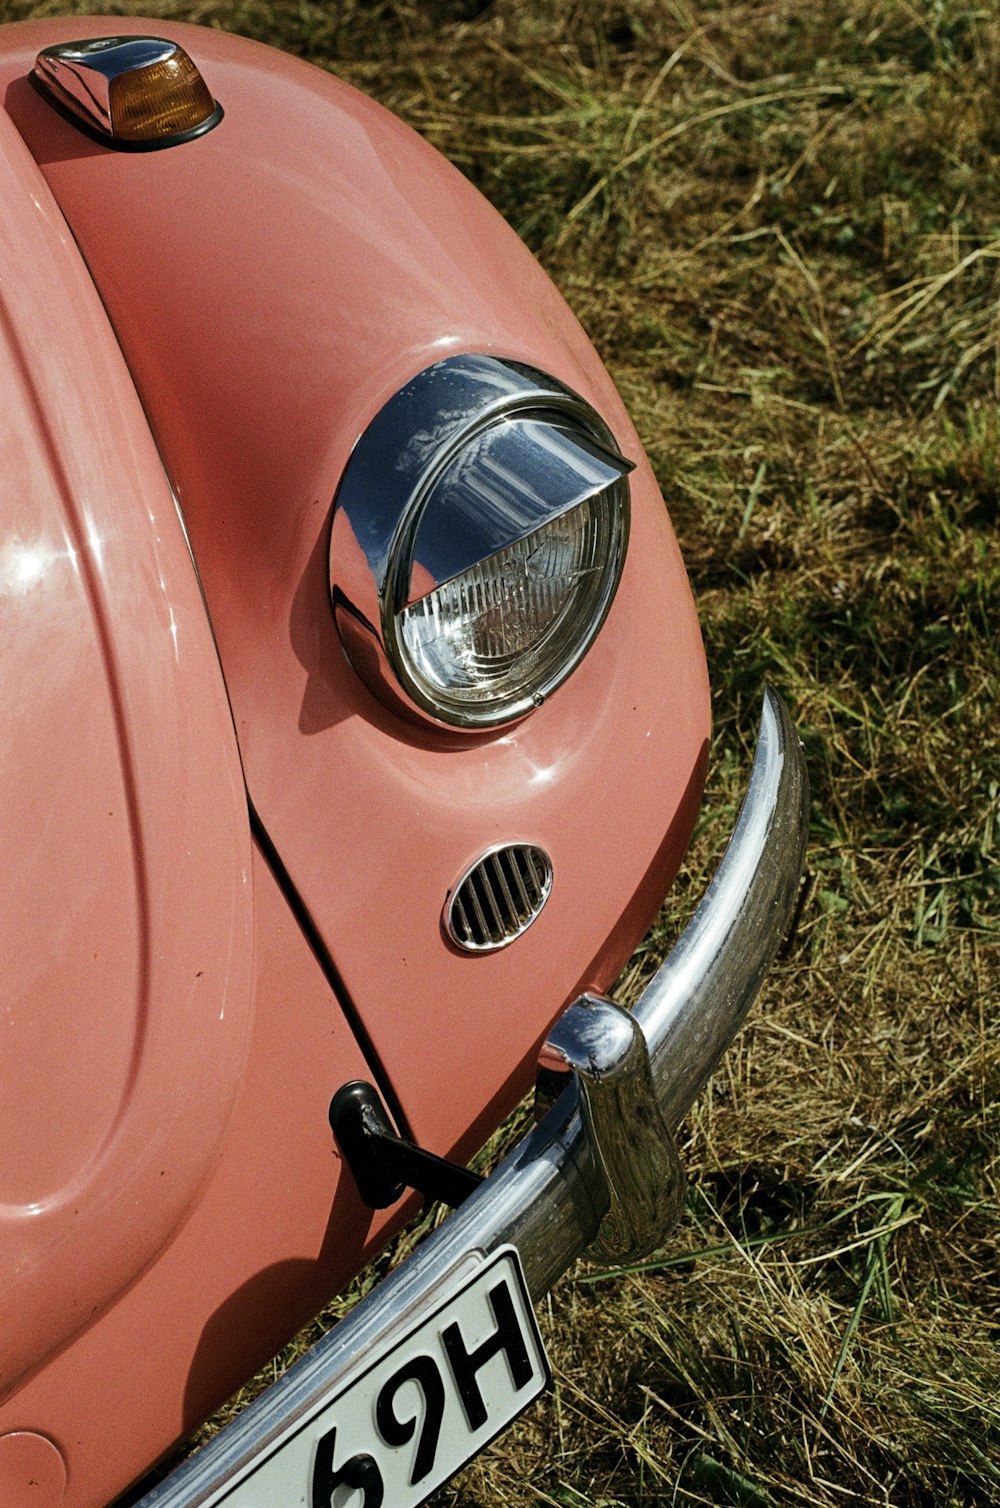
499, 897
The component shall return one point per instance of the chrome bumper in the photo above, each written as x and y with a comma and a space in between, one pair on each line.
601, 1167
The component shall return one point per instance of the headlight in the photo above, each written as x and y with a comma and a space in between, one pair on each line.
478, 538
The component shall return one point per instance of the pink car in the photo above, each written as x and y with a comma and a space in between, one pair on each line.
356, 725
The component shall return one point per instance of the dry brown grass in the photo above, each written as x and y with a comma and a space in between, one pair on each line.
780, 222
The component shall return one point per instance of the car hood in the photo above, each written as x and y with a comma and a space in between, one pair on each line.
125, 911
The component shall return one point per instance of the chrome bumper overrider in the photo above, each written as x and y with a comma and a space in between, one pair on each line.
601, 1169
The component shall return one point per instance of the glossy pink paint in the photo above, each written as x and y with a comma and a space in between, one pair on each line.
126, 909
272, 284
276, 1232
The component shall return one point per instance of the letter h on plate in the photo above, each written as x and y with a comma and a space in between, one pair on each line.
466, 1365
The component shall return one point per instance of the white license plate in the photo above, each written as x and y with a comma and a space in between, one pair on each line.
429, 1399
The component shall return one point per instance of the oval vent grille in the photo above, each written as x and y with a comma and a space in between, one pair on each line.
499, 897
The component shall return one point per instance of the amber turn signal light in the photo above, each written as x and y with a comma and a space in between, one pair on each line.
130, 92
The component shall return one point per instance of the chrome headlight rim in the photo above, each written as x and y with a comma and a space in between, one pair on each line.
388, 491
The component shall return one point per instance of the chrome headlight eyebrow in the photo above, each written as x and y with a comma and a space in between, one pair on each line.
478, 537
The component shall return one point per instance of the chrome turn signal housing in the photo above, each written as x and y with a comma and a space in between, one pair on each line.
478, 538
135, 93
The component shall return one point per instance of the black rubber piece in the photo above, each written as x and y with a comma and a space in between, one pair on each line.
384, 1164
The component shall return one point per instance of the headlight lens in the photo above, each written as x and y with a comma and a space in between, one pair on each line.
489, 644
494, 541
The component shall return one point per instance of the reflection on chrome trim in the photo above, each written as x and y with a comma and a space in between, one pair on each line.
79, 79
550, 1195
603, 1046
693, 1007
498, 897
80, 74
472, 456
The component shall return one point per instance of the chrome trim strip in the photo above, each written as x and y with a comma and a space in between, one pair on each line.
692, 1009
549, 1197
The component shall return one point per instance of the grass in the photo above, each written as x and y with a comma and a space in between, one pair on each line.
780, 222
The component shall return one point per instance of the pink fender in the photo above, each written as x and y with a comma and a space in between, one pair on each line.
125, 914
272, 284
